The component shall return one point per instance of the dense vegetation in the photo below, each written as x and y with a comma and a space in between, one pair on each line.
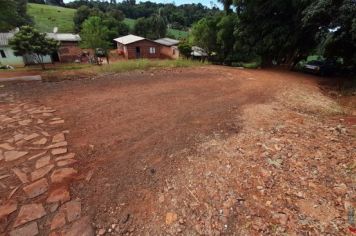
279, 31
177, 17
13, 13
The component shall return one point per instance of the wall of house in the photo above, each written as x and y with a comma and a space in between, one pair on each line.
10, 58
145, 45
68, 52
169, 52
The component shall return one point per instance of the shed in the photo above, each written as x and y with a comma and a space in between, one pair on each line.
69, 49
135, 47
169, 48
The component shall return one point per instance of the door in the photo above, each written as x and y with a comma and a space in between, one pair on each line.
138, 52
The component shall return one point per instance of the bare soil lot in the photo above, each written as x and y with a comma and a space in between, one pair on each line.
203, 151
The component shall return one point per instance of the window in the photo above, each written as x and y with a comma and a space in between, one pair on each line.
2, 53
174, 51
152, 50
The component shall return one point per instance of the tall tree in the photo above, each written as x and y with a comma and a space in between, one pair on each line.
28, 41
94, 34
13, 13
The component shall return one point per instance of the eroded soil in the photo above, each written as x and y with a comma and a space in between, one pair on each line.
206, 151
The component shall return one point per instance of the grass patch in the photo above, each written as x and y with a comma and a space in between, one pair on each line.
145, 64
47, 17
75, 71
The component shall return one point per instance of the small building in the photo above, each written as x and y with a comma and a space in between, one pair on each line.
136, 47
169, 48
68, 50
7, 54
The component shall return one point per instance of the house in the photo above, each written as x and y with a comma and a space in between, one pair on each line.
7, 55
68, 50
169, 48
135, 47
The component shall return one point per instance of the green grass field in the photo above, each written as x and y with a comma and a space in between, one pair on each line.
47, 17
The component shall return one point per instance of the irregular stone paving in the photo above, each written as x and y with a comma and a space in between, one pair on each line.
36, 168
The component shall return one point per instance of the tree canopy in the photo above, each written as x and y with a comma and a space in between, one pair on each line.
13, 13
279, 31
94, 33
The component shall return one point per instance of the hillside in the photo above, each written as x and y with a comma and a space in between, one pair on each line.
47, 17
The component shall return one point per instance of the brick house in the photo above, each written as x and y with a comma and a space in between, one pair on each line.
68, 50
169, 48
135, 47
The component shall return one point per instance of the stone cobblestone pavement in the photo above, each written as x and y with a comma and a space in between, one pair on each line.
35, 172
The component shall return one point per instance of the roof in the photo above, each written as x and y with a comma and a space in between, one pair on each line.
128, 39
64, 37
4, 38
198, 52
167, 41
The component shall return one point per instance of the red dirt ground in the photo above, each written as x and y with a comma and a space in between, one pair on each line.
206, 151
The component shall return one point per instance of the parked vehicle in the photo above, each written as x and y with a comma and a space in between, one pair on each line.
321, 67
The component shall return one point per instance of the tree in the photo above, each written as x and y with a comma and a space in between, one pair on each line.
29, 41
142, 27
82, 14
13, 13
185, 49
153, 27
334, 24
116, 28
95, 34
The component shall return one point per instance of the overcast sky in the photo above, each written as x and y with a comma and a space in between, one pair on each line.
207, 3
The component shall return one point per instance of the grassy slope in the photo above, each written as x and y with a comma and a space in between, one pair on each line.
47, 17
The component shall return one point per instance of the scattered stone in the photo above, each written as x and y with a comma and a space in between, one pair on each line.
39, 173
57, 145
101, 232
21, 175
25, 122
14, 155
60, 174
6, 146
43, 161
72, 209
56, 122
39, 121
29, 213
58, 221
37, 155
171, 218
31, 136
65, 157
42, 141
81, 227
59, 195
18, 137
58, 138
59, 151
27, 230
37, 188
7, 209
66, 162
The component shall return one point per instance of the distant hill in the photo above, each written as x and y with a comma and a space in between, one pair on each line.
47, 17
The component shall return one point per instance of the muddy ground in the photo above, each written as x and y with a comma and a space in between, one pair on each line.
207, 151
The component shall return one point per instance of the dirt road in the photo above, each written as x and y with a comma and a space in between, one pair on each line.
209, 151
